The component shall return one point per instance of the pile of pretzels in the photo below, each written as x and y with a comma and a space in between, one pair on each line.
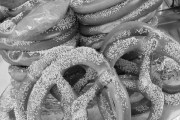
88, 59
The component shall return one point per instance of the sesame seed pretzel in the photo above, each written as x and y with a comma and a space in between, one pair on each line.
28, 23
163, 66
76, 56
69, 59
25, 52
153, 41
96, 41
25, 58
33, 74
95, 25
38, 25
142, 10
65, 31
110, 14
138, 36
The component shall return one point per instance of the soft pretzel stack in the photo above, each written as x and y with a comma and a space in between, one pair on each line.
88, 59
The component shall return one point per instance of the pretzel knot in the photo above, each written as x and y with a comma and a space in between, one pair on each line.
48, 72
137, 36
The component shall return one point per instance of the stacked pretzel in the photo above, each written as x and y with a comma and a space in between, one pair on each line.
29, 30
120, 80
98, 17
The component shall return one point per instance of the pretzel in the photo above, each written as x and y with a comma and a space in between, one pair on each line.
110, 14
72, 57
33, 74
136, 31
155, 42
143, 10
25, 58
